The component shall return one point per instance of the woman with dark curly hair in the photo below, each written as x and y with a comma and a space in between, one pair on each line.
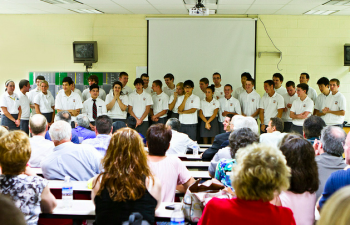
127, 184
238, 139
301, 195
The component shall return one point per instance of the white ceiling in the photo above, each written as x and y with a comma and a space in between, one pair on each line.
271, 7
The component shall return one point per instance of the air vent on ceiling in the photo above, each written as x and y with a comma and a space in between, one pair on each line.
86, 10
338, 2
61, 1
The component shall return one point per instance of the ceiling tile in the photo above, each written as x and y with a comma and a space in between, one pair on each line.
231, 11
130, 2
166, 2
172, 11
170, 7
232, 2
261, 11
138, 7
229, 7
145, 11
311, 2
342, 13
266, 7
270, 2
332, 7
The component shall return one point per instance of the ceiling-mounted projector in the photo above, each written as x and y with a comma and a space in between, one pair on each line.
199, 10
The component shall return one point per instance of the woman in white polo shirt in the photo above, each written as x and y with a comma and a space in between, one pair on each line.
10, 107
174, 101
45, 103
208, 113
117, 103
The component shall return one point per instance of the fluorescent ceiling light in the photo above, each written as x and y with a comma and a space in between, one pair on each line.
85, 10
338, 2
60, 1
320, 12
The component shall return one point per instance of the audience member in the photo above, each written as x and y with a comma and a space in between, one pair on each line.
223, 161
30, 193
41, 147
103, 134
80, 162
9, 213
180, 142
118, 125
254, 189
172, 173
3, 131
336, 211
274, 133
301, 195
339, 178
64, 116
329, 153
312, 128
126, 183
81, 129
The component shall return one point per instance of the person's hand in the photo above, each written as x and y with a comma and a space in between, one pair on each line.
175, 95
207, 126
289, 105
138, 122
29, 171
187, 95
116, 95
263, 127
325, 110
17, 123
224, 113
317, 146
217, 97
156, 119
285, 109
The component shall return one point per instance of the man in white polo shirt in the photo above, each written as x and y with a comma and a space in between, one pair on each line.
188, 110
170, 87
160, 103
289, 98
228, 105
250, 100
304, 79
93, 79
124, 78
139, 107
24, 102
244, 77
271, 105
32, 93
68, 100
94, 107
325, 96
146, 87
334, 110
301, 109
278, 80
219, 89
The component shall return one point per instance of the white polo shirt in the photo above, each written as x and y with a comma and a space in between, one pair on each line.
321, 101
229, 105
87, 95
219, 92
31, 95
270, 105
250, 102
126, 90
76, 90
71, 102
148, 90
209, 107
11, 102
45, 102
116, 112
337, 102
238, 91
25, 106
177, 103
139, 103
311, 93
299, 107
282, 90
288, 100
87, 108
193, 102
160, 103
168, 90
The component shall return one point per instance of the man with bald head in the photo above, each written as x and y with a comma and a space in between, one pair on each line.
40, 146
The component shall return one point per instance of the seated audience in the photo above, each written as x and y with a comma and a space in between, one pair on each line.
82, 128
80, 162
329, 153
103, 134
169, 169
65, 116
254, 189
40, 146
339, 178
226, 156
3, 131
118, 125
218, 140
337, 209
126, 184
312, 128
30, 193
301, 195
180, 142
9, 213
274, 133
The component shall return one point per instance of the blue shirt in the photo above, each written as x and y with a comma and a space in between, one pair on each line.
83, 132
74, 139
101, 143
336, 181
80, 162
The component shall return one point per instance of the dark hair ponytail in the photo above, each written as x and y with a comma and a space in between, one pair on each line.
212, 87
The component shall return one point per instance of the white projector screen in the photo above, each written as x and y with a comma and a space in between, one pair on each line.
193, 48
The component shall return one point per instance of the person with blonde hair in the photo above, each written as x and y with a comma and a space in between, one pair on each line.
30, 193
260, 172
126, 184
336, 211
45, 103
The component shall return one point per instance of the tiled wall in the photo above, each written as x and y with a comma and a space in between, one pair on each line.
44, 43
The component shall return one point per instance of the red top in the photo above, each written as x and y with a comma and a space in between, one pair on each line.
238, 211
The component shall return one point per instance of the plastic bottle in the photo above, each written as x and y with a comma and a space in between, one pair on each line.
67, 193
177, 217
195, 150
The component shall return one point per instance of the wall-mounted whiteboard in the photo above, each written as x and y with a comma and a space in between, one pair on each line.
193, 48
